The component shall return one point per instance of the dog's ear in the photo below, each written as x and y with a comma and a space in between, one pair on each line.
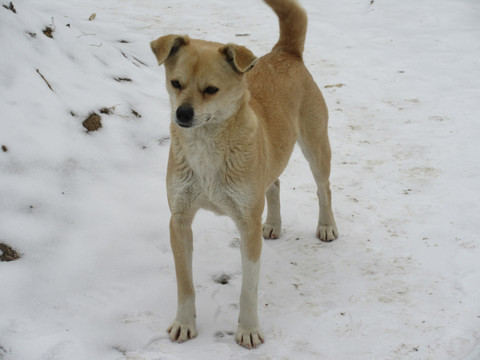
239, 57
167, 45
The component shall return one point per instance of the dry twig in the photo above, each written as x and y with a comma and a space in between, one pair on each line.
46, 81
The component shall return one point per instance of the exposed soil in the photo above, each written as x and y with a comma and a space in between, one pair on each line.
93, 122
223, 279
48, 31
106, 111
7, 253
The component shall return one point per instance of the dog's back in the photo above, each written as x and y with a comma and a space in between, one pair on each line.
282, 89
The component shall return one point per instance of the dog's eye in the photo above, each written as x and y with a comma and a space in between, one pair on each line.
176, 84
210, 90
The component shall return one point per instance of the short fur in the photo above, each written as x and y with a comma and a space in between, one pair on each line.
235, 121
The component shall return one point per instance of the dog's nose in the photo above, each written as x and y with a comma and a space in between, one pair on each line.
185, 115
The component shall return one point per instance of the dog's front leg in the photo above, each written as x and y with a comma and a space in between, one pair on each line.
183, 327
249, 333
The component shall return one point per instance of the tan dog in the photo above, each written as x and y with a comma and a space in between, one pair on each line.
235, 120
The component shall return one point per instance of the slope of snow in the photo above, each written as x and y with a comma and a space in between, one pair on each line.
88, 210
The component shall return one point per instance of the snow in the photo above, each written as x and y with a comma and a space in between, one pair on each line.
88, 212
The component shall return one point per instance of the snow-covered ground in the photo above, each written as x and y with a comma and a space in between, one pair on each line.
87, 211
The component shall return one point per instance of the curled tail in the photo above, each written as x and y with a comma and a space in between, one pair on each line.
293, 26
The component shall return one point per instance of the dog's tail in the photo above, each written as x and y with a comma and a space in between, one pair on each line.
293, 26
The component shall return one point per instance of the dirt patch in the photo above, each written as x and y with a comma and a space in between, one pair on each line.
93, 122
48, 31
223, 279
4, 148
107, 111
7, 253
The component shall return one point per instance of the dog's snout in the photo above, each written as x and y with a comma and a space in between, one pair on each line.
185, 115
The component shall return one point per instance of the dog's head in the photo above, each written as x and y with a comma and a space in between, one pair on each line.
205, 80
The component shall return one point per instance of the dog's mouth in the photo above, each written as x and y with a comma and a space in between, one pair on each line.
194, 124
185, 126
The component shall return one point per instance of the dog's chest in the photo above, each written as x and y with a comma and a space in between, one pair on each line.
212, 178
205, 159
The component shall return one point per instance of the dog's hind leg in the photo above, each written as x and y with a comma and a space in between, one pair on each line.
273, 225
313, 140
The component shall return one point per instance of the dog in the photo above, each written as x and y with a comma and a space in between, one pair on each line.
235, 120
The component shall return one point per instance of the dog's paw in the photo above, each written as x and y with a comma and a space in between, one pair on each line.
249, 339
327, 233
271, 231
181, 332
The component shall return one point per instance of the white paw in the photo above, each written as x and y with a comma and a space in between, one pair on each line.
327, 232
271, 231
249, 339
181, 332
